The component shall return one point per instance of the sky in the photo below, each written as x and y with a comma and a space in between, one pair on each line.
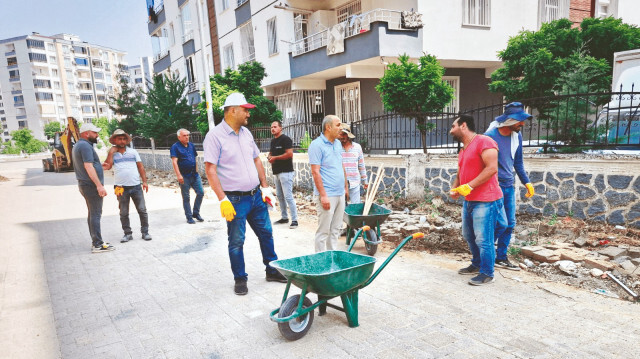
118, 24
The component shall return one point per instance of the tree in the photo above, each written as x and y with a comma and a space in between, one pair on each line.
415, 90
25, 142
51, 128
126, 103
166, 109
534, 61
107, 127
247, 80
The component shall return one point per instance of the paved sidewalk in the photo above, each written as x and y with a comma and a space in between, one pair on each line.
173, 297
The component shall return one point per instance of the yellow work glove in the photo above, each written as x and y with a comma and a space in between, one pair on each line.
118, 191
226, 209
464, 190
530, 191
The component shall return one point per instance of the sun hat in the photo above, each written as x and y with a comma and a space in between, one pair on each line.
236, 99
89, 127
346, 129
117, 133
514, 110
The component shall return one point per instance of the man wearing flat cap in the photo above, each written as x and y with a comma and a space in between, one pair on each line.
237, 177
128, 172
505, 130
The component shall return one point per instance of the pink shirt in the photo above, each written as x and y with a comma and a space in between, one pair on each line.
353, 162
233, 154
470, 165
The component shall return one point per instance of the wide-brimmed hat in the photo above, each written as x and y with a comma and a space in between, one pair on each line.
89, 127
117, 133
347, 129
236, 99
514, 110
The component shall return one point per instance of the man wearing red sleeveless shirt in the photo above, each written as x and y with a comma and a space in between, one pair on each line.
477, 182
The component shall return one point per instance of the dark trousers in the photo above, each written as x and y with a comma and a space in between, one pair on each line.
137, 195
94, 205
191, 181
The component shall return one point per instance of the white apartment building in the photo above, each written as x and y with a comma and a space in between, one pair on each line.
326, 57
181, 43
141, 76
48, 78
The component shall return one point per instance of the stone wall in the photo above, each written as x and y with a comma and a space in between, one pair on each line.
600, 190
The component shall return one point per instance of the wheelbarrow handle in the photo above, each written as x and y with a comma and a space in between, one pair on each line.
355, 237
384, 264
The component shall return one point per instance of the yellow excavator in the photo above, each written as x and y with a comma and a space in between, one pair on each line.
61, 160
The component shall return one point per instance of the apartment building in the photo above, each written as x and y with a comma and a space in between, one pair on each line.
141, 75
326, 57
181, 42
48, 78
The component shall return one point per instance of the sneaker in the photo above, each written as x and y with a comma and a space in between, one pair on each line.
507, 265
198, 218
281, 221
104, 247
294, 224
481, 279
126, 238
469, 270
276, 277
191, 221
146, 236
240, 287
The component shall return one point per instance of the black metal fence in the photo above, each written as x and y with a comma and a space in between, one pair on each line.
568, 121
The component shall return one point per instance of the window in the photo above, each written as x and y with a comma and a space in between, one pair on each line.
12, 61
454, 105
42, 84
345, 11
172, 34
33, 57
240, 2
187, 32
60, 109
83, 62
80, 50
100, 87
86, 97
14, 74
58, 97
22, 124
138, 80
553, 10
52, 59
70, 86
348, 102
65, 49
477, 12
229, 62
44, 96
98, 75
225, 4
35, 44
56, 85
18, 100
272, 36
190, 71
54, 72
69, 74
101, 98
88, 109
50, 47
246, 40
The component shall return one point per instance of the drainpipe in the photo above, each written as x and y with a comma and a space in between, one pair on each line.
207, 84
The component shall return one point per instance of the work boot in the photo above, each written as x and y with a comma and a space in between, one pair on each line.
146, 236
126, 238
241, 287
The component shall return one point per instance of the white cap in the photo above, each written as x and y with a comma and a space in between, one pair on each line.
236, 99
89, 127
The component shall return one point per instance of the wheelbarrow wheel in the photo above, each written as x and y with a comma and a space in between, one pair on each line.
298, 327
371, 248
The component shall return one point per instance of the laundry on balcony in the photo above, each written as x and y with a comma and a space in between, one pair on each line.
335, 41
411, 20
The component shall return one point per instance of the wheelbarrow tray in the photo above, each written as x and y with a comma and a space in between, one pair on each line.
355, 219
329, 273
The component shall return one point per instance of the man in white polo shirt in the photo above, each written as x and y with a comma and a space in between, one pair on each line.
128, 170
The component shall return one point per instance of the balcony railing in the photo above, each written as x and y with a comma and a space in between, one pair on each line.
188, 36
355, 25
250, 57
16, 92
193, 87
10, 53
161, 55
18, 104
14, 79
21, 117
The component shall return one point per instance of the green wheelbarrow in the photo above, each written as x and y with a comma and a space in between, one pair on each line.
328, 274
354, 218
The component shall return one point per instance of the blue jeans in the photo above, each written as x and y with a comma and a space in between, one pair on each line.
506, 222
354, 195
94, 205
191, 181
137, 195
284, 191
253, 210
478, 229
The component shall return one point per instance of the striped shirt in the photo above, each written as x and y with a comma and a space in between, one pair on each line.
353, 161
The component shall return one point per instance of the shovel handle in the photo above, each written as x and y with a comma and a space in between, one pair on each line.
384, 264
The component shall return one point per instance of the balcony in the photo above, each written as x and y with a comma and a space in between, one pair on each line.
161, 62
375, 33
188, 36
14, 79
21, 117
192, 87
10, 53
250, 57
18, 104
14, 66
161, 18
16, 92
